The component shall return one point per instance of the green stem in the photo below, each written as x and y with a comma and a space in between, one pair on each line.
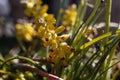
108, 18
21, 44
59, 13
80, 14
27, 59
107, 74
108, 15
58, 69
19, 57
37, 71
89, 62
7, 61
70, 73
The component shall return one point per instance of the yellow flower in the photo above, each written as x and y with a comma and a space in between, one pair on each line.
66, 49
63, 37
69, 16
54, 44
59, 30
41, 31
60, 54
50, 20
59, 49
47, 38
25, 31
43, 10
32, 3
46, 31
52, 57
33, 8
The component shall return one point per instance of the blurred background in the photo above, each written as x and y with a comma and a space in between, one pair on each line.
12, 10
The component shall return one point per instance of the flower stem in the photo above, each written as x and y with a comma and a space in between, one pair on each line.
19, 57
36, 70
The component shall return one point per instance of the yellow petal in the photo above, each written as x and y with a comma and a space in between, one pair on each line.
54, 44
28, 37
59, 29
63, 37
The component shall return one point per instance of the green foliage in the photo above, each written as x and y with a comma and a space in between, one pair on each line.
65, 52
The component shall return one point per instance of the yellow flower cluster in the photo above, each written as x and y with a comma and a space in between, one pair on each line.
69, 16
44, 29
25, 31
59, 49
35, 8
60, 54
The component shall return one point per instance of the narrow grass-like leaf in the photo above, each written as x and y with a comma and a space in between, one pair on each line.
88, 44
102, 59
97, 16
85, 26
106, 70
81, 12
83, 69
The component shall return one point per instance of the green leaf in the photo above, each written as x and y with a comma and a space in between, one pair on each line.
88, 44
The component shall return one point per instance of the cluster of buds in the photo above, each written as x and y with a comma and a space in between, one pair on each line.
45, 30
